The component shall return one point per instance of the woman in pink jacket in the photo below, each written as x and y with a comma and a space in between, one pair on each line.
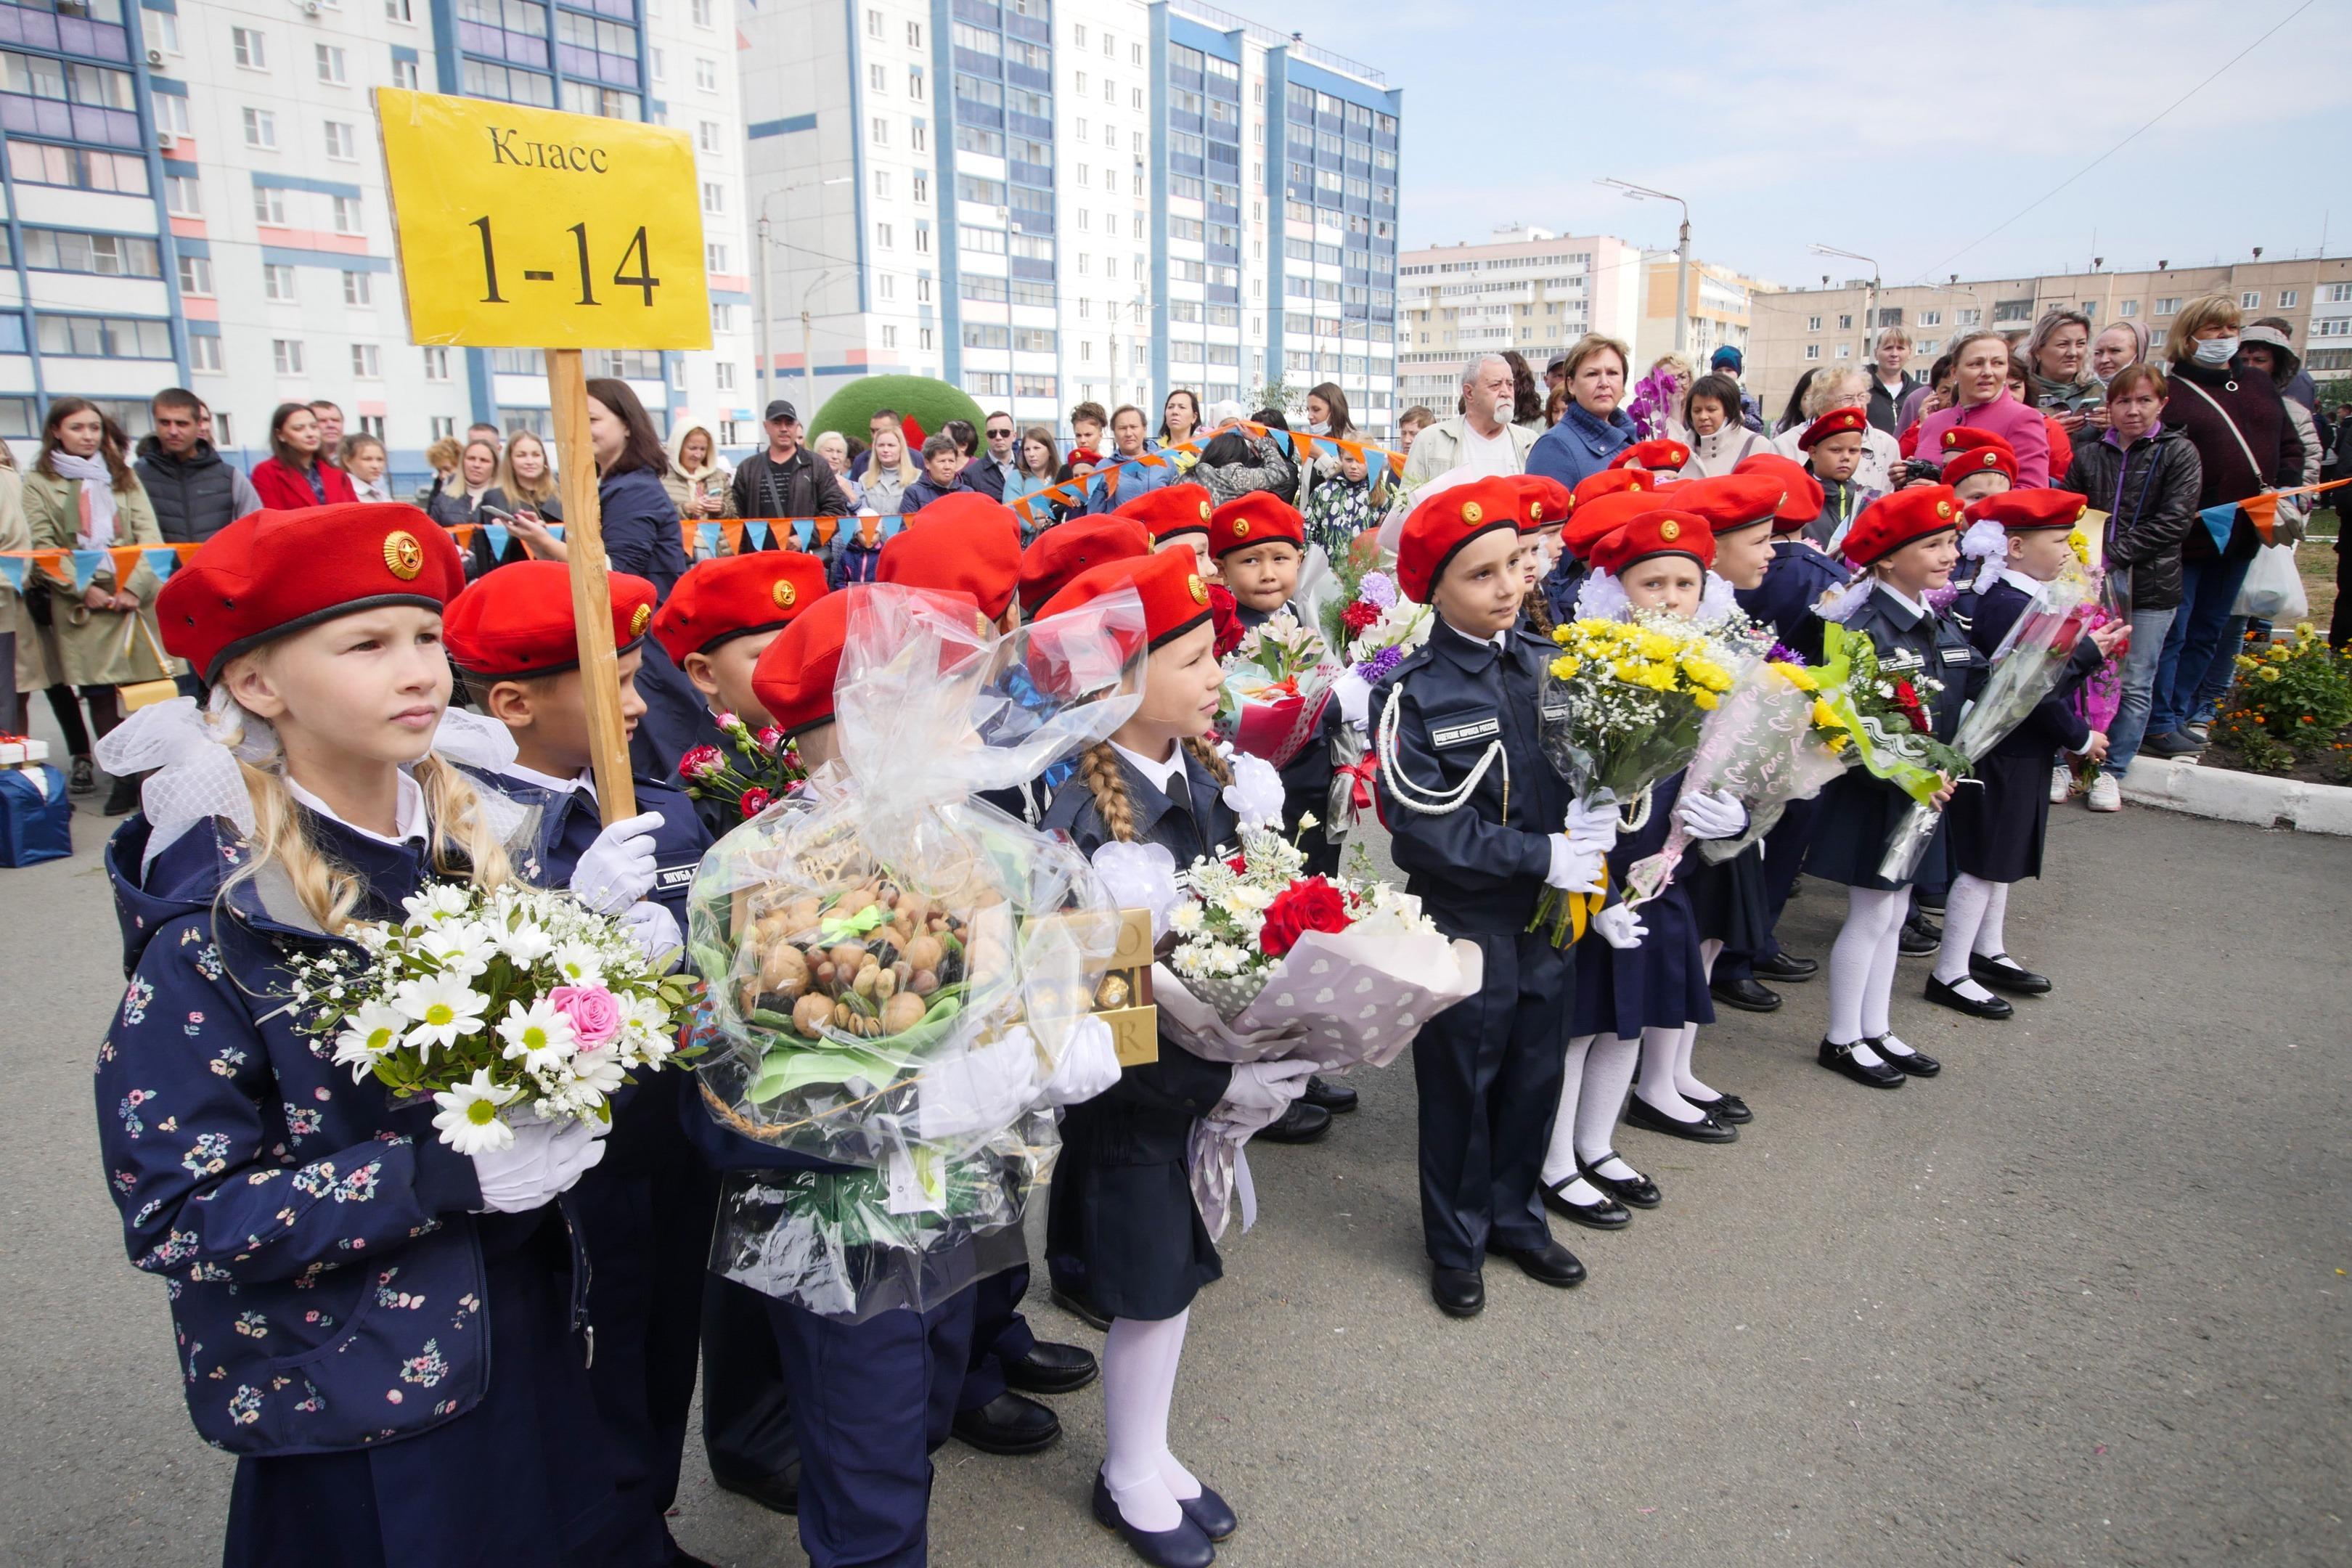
1980, 370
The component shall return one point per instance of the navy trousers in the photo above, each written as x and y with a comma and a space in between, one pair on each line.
747, 1411
1784, 857
999, 1334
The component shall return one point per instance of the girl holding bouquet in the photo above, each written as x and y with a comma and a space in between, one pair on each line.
1903, 548
1124, 1238
341, 1276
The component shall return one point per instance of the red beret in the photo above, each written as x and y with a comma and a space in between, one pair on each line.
1973, 451
1172, 509
1890, 522
1084, 457
1440, 525
1800, 498
1609, 482
1596, 519
795, 678
1175, 599
1836, 422
1543, 503
2028, 510
736, 596
1730, 502
517, 621
1067, 549
1662, 530
1657, 452
1253, 518
962, 543
274, 573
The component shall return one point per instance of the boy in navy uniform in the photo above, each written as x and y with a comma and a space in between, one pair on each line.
1566, 574
1478, 817
645, 1214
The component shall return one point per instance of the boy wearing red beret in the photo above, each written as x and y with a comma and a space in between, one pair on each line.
1833, 445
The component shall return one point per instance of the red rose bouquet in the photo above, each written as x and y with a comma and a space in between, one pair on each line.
751, 770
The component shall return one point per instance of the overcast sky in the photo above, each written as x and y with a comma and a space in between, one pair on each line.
1902, 129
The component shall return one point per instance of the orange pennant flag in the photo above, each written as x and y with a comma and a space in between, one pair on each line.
731, 530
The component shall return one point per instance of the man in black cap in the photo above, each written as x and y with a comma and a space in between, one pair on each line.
784, 480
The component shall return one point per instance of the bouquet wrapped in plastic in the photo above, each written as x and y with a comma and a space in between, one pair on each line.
2025, 670
898, 977
764, 766
1886, 716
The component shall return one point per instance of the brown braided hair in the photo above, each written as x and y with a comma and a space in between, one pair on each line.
1098, 770
1537, 610
1209, 762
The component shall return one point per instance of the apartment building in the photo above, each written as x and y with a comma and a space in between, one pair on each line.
1526, 288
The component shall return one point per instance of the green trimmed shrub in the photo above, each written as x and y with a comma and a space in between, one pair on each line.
930, 403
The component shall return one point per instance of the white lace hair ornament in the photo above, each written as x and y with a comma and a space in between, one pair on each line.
1986, 543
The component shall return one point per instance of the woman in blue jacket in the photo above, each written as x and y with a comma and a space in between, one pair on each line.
1592, 428
340, 1277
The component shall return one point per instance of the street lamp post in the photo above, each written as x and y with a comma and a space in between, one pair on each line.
767, 324
808, 343
1869, 300
1682, 253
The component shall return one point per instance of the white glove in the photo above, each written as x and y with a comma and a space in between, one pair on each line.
618, 868
654, 929
1621, 926
545, 1159
1140, 877
1354, 696
1256, 793
1593, 824
1576, 868
979, 1091
1089, 1064
1260, 1092
1717, 814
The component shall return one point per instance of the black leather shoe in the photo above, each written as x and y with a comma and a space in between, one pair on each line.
123, 797
1640, 1192
83, 780
1079, 1308
1919, 938
1336, 1098
1787, 968
779, 1493
1728, 1108
2010, 976
1302, 1123
1210, 1513
1009, 1423
1182, 1547
1910, 1064
1551, 1264
1639, 1112
1606, 1214
1944, 996
1840, 1060
1458, 1292
1053, 1368
1748, 994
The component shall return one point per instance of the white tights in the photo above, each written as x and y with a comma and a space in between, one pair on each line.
1973, 917
1138, 1374
1668, 1086
1862, 968
1592, 1095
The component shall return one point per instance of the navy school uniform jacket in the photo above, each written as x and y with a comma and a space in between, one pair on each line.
2054, 724
1477, 871
326, 1271
1784, 601
1559, 587
1912, 645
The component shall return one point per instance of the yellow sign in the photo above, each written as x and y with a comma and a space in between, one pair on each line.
525, 228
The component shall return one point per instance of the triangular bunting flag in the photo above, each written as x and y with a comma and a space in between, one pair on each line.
162, 560
708, 534
804, 531
731, 530
501, 537
125, 559
2261, 511
2219, 521
85, 564
14, 568
890, 525
758, 531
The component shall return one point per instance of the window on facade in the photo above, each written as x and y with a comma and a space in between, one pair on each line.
195, 272
705, 74
261, 128
330, 60
205, 355
358, 288
269, 206
248, 48
347, 216
99, 254
366, 362
103, 337
437, 365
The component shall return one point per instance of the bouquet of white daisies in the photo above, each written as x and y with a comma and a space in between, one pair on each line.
495, 1003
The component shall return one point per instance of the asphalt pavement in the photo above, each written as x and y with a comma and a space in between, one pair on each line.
2081, 1300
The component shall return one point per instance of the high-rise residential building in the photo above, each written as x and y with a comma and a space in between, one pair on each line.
197, 195
1799, 329
1717, 310
1056, 201
1526, 288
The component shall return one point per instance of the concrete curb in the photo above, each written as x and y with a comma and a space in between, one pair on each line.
2175, 785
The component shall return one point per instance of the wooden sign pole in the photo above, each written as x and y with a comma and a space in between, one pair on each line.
592, 589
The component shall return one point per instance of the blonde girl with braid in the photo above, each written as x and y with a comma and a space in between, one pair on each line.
1125, 1244
340, 1276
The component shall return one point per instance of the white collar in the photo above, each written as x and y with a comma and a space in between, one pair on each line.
585, 783
1916, 606
408, 812
1162, 775
1501, 640
2030, 586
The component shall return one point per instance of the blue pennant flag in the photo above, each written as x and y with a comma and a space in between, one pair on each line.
2220, 521
889, 525
85, 564
501, 537
805, 530
555, 529
757, 533
14, 568
708, 534
163, 561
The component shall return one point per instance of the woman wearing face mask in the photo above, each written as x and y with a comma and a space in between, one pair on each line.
1327, 414
1980, 372
1592, 428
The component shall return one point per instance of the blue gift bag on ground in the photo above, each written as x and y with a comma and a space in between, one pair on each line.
36, 819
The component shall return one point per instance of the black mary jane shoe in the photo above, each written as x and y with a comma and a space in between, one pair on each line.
1458, 1292
1786, 968
1728, 1108
1324, 1095
1078, 1307
1640, 1192
1640, 1113
1301, 1123
1607, 1213
1212, 1515
1748, 994
1551, 1264
1009, 1423
1050, 1368
1840, 1060
1910, 1064
2003, 973
1182, 1547
1944, 995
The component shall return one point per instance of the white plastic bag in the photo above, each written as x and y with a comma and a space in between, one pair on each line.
2273, 588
